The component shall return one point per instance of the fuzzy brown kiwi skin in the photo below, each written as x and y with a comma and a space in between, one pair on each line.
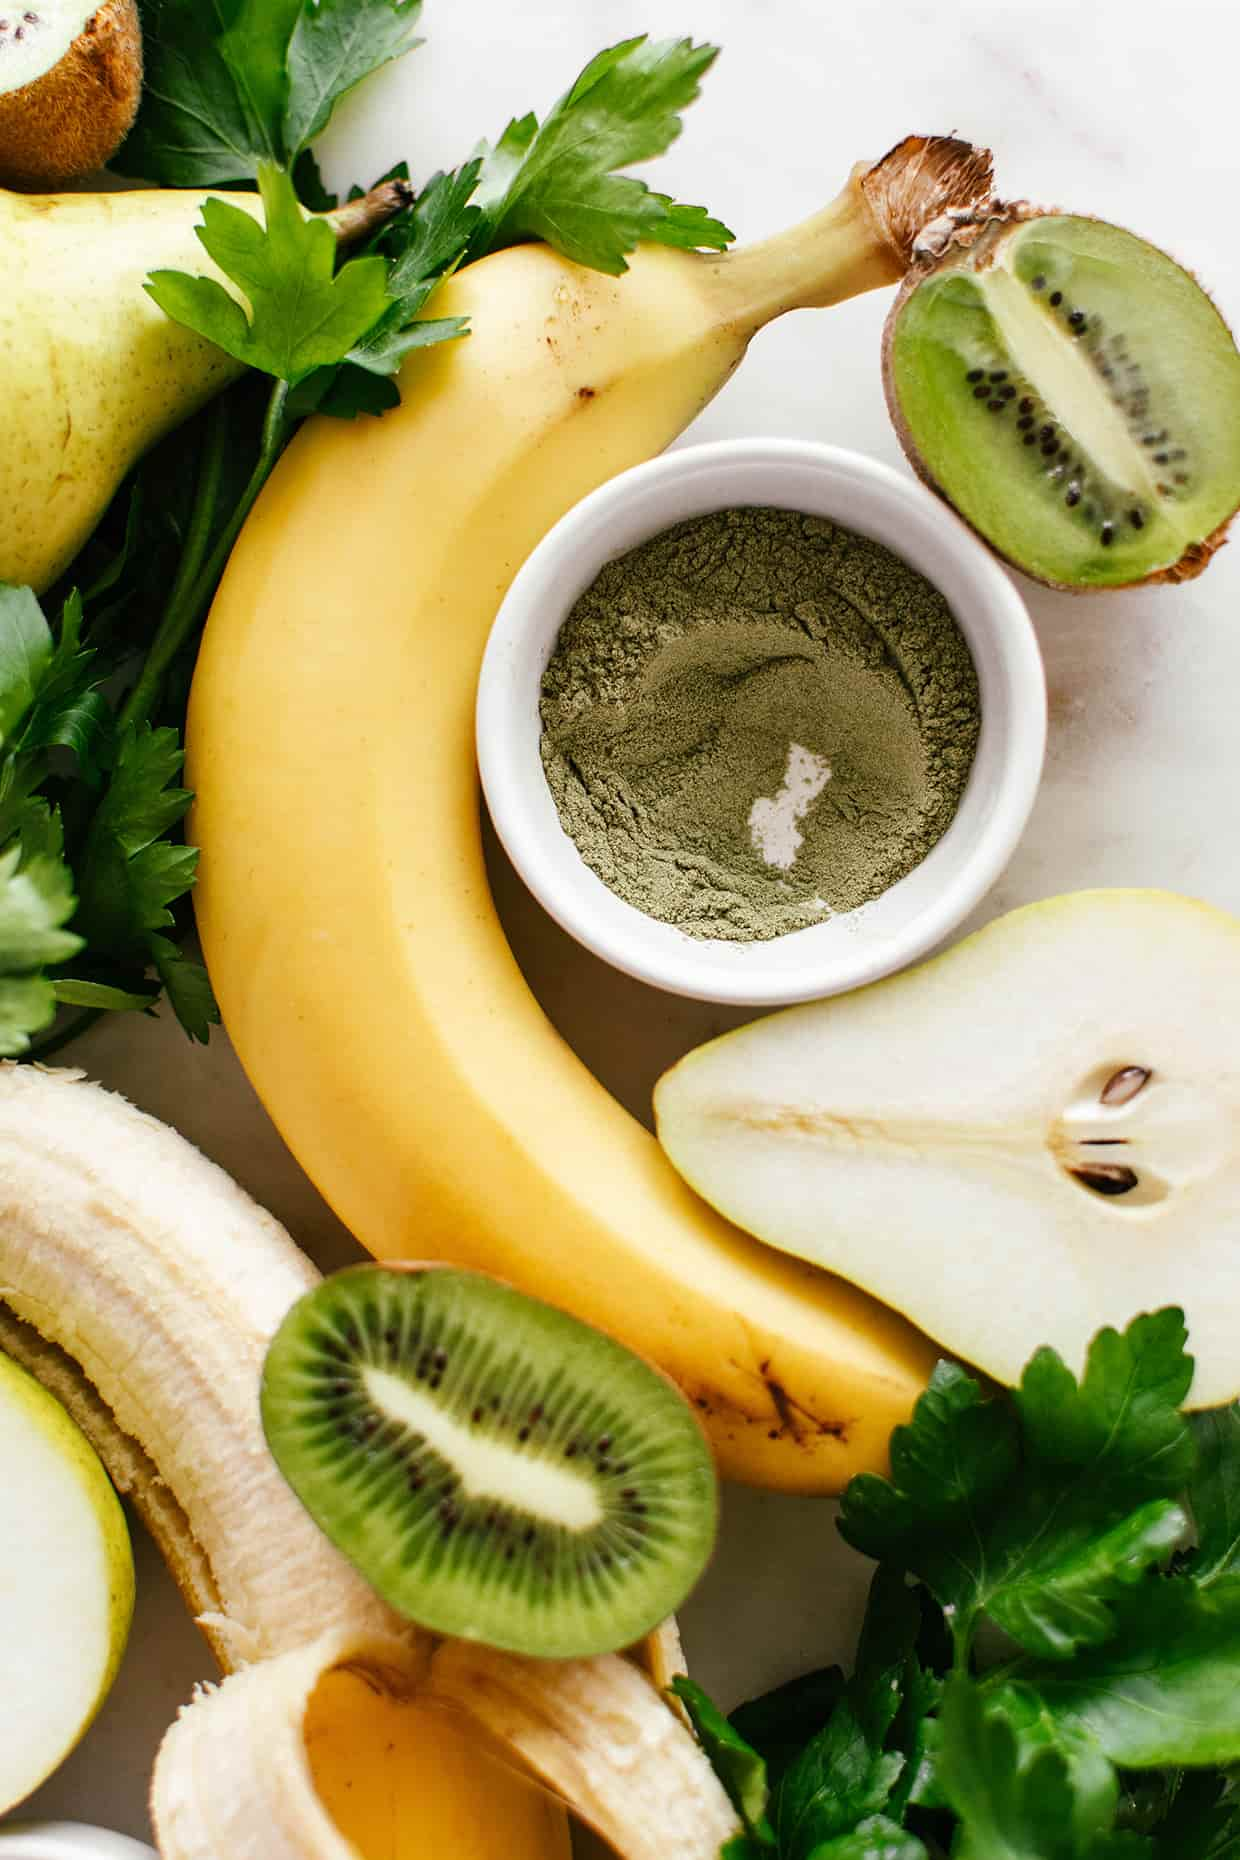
1196, 557
72, 119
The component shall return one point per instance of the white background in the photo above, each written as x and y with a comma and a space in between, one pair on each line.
1115, 107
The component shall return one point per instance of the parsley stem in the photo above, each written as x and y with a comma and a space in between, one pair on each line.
191, 596
206, 500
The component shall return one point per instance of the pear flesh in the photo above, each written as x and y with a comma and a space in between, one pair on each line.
1014, 1144
66, 1584
92, 372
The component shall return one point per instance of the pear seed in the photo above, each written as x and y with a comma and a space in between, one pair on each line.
1123, 1086
1107, 1178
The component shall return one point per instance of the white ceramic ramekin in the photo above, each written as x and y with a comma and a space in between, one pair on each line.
845, 950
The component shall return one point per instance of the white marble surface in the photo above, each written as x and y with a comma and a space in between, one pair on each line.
1116, 107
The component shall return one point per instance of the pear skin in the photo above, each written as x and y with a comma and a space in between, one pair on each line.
92, 372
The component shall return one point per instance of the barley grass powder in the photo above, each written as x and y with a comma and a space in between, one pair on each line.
756, 719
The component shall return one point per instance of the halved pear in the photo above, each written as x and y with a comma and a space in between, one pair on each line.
66, 1584
1031, 1136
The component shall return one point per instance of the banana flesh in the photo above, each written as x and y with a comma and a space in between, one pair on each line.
143, 1285
342, 897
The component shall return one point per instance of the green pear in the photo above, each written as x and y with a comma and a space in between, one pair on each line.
66, 1584
91, 370
1016, 1143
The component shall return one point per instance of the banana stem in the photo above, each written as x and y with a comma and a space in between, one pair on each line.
186, 609
837, 253
868, 236
357, 219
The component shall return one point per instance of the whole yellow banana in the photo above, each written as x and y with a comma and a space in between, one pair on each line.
343, 903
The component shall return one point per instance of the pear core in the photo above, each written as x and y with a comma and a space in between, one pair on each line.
70, 82
1015, 1144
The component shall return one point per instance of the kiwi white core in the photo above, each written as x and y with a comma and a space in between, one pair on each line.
487, 1469
36, 36
1063, 376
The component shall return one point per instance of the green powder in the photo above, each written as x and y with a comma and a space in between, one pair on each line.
755, 719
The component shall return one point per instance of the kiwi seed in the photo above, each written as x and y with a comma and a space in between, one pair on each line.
495, 1468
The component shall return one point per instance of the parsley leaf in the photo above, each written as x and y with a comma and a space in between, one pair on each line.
69, 711
191, 128
780, 1722
1214, 1495
839, 1780
425, 244
254, 46
48, 694
876, 1838
436, 234
833, 1788
1015, 1789
429, 243
738, 1766
130, 873
557, 181
25, 655
302, 313
36, 901
1040, 1511
888, 1637
849, 1785
233, 83
1164, 1690
334, 45
187, 986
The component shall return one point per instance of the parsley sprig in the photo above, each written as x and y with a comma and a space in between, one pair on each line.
1047, 1667
87, 890
93, 869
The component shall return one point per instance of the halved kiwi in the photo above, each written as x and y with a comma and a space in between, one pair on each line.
1074, 393
70, 82
497, 1469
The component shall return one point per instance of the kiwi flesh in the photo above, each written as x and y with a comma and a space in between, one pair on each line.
498, 1470
70, 83
1074, 394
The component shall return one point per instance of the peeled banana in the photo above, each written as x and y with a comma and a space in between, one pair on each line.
342, 899
143, 1286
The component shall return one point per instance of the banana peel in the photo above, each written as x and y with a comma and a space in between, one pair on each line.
142, 1286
